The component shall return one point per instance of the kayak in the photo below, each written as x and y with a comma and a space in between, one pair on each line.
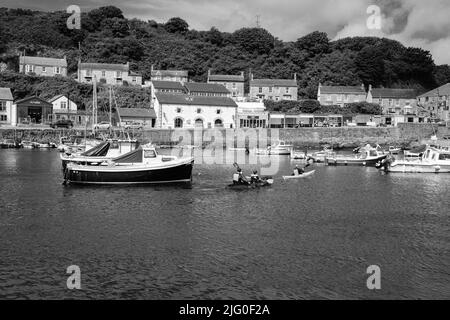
300, 176
261, 184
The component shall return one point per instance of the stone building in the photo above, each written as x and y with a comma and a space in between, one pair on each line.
108, 73
273, 89
341, 95
40, 66
234, 83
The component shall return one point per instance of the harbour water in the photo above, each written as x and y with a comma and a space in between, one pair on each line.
311, 238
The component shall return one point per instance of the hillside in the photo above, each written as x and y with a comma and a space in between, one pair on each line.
106, 36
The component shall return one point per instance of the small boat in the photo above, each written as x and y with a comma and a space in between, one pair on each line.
74, 144
140, 166
106, 150
279, 149
394, 150
48, 145
28, 144
320, 156
433, 160
415, 153
265, 182
300, 176
367, 156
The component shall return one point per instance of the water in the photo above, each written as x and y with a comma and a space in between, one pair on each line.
311, 238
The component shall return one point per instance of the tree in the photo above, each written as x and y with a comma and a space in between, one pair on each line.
314, 43
176, 25
254, 40
98, 15
370, 65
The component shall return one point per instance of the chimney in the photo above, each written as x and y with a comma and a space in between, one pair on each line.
251, 76
242, 73
295, 76
151, 68
209, 72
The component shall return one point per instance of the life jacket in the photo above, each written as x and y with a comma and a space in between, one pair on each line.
296, 172
236, 177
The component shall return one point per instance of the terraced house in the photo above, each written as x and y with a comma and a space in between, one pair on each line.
113, 74
206, 89
273, 89
341, 95
233, 83
437, 102
47, 67
169, 75
394, 101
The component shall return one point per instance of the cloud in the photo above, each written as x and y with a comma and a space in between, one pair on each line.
413, 22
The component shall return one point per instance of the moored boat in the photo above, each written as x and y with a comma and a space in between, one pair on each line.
433, 160
367, 156
140, 166
279, 149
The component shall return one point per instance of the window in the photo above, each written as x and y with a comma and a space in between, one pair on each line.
63, 105
260, 90
3, 117
287, 90
103, 73
218, 111
178, 123
218, 123
89, 73
133, 79
118, 74
57, 70
270, 89
328, 97
29, 68
44, 69
199, 110
2, 105
178, 110
149, 154
234, 85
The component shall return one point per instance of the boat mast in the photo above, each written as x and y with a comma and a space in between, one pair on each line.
110, 112
94, 104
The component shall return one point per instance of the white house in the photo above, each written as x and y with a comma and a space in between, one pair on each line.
185, 111
252, 115
63, 108
6, 101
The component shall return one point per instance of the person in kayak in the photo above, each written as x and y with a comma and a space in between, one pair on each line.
298, 171
239, 178
254, 178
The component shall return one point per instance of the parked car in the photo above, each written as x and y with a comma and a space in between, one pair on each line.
102, 125
62, 124
133, 125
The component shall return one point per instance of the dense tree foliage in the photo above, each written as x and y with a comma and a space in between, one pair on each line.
313, 106
107, 36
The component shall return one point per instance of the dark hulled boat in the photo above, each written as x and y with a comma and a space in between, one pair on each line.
367, 156
141, 166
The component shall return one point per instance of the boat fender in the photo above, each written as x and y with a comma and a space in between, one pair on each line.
236, 177
364, 163
437, 169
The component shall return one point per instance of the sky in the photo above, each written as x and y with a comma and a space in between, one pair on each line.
417, 23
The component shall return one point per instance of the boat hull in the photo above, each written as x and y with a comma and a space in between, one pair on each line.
117, 175
368, 162
418, 168
300, 176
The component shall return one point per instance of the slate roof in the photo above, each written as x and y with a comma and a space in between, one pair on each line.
169, 73
206, 87
184, 99
105, 66
137, 112
273, 83
5, 94
41, 61
174, 85
379, 93
226, 78
443, 91
342, 90
24, 100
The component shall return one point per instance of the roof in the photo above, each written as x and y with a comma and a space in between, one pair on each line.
53, 62
206, 87
443, 91
342, 89
226, 78
105, 66
394, 93
170, 73
174, 85
184, 99
57, 97
137, 112
41, 101
273, 82
5, 94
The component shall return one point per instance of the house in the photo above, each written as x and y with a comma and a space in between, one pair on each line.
185, 111
6, 101
169, 75
41, 66
273, 89
108, 73
31, 110
206, 89
252, 115
394, 101
436, 102
63, 108
341, 95
167, 87
142, 116
234, 83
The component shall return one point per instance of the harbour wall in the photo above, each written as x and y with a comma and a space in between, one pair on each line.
344, 137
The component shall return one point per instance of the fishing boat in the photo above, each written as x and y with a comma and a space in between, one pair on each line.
415, 153
140, 166
367, 156
280, 149
433, 160
106, 150
9, 143
394, 150
300, 176
320, 156
28, 144
75, 144
45, 145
